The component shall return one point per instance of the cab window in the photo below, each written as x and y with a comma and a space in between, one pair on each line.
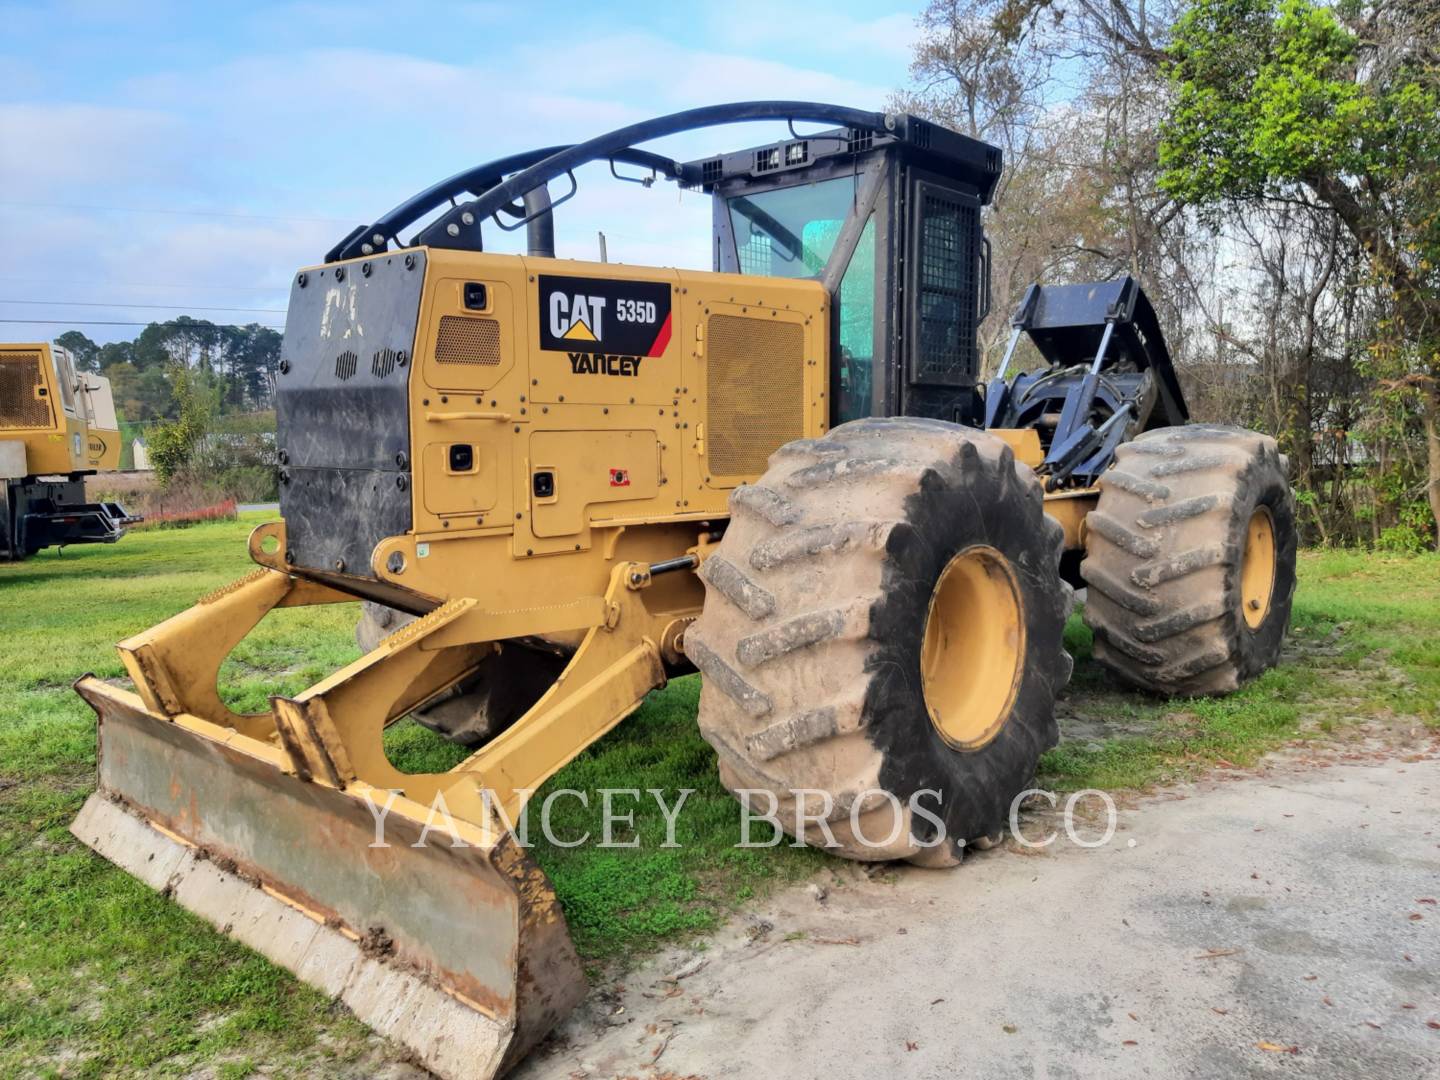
790, 232
856, 356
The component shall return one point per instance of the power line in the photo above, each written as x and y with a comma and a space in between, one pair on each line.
176, 213
102, 322
150, 285
161, 307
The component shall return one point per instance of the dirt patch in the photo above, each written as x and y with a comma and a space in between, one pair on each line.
1186, 954
377, 944
1090, 722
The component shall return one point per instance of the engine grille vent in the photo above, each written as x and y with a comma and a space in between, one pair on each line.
383, 363
857, 141
463, 340
712, 171
19, 379
756, 392
346, 364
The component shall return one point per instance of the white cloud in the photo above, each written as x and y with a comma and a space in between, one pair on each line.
657, 76
337, 131
53, 150
68, 258
388, 98
807, 32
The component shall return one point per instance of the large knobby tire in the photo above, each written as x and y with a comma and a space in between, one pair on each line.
890, 569
500, 691
1190, 560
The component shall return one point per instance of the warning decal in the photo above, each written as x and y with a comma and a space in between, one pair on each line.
604, 316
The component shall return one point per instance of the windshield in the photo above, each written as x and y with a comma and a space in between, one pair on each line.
790, 232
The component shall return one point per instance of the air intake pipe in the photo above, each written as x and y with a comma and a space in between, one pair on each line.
540, 226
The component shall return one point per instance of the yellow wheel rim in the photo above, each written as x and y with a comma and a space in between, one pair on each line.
974, 648
1257, 569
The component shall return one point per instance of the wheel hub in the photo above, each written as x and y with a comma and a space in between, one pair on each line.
1257, 567
973, 649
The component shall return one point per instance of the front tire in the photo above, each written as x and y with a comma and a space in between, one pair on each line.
1190, 560
884, 617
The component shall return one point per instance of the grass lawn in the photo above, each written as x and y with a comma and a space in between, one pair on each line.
1364, 646
98, 975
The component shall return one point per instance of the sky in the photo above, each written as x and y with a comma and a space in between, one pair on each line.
159, 159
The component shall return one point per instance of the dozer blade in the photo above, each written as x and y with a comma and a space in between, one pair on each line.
458, 952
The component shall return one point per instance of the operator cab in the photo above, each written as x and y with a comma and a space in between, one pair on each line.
888, 221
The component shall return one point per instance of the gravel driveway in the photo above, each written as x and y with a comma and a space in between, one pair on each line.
1279, 923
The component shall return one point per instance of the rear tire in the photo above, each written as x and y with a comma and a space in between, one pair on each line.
1190, 560
883, 617
500, 691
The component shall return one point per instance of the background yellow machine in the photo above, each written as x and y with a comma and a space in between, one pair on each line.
558, 483
56, 427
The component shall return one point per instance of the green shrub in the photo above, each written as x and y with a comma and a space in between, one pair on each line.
1403, 539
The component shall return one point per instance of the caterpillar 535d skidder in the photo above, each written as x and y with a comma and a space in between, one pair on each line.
577, 479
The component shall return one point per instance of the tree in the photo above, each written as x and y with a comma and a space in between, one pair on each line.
140, 394
242, 361
173, 444
116, 352
85, 351
1288, 100
253, 358
1272, 307
191, 343
1070, 90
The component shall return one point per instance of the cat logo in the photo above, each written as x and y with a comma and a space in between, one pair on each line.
606, 317
578, 317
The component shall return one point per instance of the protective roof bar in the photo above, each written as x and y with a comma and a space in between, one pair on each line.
385, 230
460, 226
